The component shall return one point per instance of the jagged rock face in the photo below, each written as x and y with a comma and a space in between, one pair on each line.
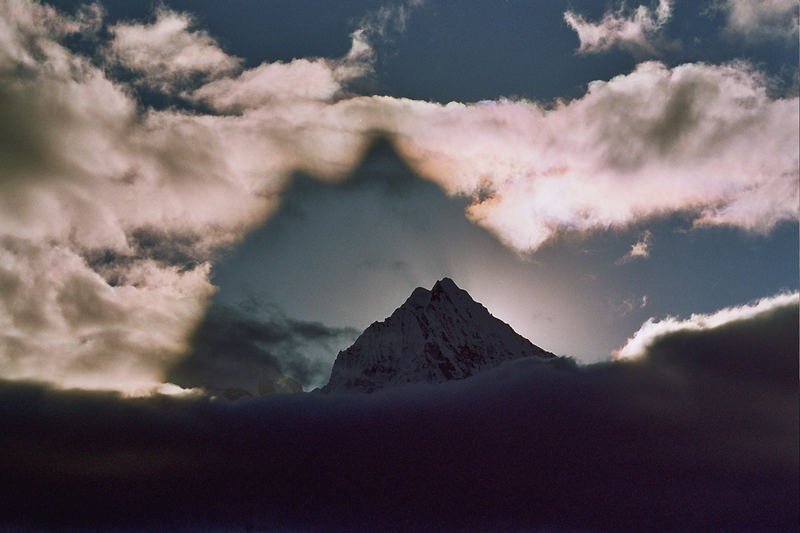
435, 336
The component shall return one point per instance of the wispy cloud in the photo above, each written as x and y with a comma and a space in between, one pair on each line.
254, 348
635, 32
761, 20
639, 250
388, 20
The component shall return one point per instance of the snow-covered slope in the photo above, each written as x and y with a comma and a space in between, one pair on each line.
435, 336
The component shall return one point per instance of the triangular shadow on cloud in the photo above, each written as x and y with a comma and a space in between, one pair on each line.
339, 256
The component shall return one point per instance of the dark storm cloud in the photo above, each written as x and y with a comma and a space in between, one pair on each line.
701, 434
250, 349
183, 250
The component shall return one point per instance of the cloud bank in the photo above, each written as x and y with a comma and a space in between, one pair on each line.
108, 204
699, 434
652, 330
692, 139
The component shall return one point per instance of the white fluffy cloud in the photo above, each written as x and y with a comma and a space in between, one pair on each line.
300, 80
634, 32
166, 53
637, 345
110, 214
763, 19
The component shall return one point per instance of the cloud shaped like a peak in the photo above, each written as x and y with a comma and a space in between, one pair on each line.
652, 330
634, 32
639, 250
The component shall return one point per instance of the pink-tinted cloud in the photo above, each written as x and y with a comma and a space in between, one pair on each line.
639, 250
635, 32
89, 176
703, 139
299, 80
62, 322
760, 20
167, 52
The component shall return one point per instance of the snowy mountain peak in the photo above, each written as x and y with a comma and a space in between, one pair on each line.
437, 335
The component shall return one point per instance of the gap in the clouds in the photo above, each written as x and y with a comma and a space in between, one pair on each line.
337, 256
342, 255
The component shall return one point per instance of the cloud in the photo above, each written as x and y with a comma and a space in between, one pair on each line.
635, 32
136, 203
639, 250
760, 20
315, 79
253, 348
136, 199
300, 79
699, 434
295, 82
388, 19
87, 176
691, 139
62, 322
652, 330
620, 306
166, 54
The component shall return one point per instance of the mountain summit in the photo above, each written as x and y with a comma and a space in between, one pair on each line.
437, 335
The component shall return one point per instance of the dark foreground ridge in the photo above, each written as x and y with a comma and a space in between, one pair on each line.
699, 435
437, 335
